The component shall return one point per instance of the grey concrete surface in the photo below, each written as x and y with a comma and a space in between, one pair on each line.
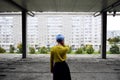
36, 67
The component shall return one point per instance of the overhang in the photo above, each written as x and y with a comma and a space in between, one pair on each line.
59, 5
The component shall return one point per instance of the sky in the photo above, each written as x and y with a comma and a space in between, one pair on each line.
113, 23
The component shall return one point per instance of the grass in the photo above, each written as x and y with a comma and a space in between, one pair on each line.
73, 52
108, 52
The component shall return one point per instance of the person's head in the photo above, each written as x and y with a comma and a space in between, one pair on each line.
60, 38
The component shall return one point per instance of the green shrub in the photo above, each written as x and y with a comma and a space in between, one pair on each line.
43, 50
2, 50
70, 50
12, 49
89, 49
19, 46
114, 49
84, 48
31, 50
79, 51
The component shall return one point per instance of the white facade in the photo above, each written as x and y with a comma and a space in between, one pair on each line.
9, 31
78, 28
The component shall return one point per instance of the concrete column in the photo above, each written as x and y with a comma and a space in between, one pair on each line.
104, 33
24, 31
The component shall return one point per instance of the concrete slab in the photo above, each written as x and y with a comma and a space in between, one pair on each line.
36, 67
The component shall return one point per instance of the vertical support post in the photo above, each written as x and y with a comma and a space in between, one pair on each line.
24, 31
104, 33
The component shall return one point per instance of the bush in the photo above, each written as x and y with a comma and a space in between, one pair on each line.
84, 48
12, 49
70, 50
114, 49
79, 51
31, 50
19, 46
43, 50
2, 50
89, 49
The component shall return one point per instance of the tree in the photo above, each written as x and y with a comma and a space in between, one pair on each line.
19, 46
114, 40
2, 50
43, 50
89, 49
114, 49
31, 50
79, 51
12, 49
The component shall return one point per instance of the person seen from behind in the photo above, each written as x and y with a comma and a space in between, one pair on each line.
58, 65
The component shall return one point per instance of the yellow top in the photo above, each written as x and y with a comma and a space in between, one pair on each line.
58, 54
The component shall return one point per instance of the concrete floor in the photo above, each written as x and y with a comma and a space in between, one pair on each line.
36, 67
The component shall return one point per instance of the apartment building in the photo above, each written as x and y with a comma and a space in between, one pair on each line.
78, 28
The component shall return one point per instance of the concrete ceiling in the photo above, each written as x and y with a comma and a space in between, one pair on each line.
58, 5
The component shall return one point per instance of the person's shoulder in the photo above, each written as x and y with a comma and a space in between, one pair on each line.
66, 47
53, 48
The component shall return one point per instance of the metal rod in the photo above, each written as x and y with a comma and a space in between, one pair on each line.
97, 14
31, 13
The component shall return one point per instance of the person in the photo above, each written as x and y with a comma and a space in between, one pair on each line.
58, 65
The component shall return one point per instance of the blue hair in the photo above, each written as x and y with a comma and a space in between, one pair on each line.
59, 38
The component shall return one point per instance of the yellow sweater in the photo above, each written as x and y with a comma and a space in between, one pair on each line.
58, 54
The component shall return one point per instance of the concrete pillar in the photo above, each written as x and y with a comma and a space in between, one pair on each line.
104, 33
24, 31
